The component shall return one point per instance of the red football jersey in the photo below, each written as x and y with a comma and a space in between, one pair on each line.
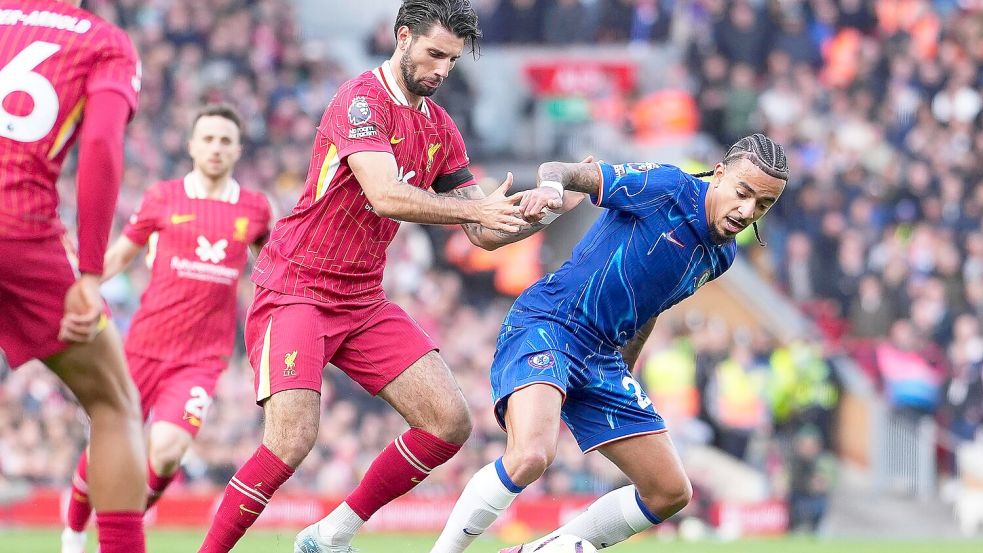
52, 56
197, 250
333, 245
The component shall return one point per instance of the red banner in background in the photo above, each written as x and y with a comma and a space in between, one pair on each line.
762, 518
580, 77
525, 518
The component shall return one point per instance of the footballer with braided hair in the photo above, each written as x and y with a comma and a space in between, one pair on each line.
567, 346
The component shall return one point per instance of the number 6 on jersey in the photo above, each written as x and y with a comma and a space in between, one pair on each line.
19, 76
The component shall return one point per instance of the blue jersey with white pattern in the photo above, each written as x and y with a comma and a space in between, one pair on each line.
651, 249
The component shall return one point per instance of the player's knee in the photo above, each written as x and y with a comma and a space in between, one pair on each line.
530, 463
117, 400
103, 391
459, 426
290, 444
166, 457
452, 423
668, 497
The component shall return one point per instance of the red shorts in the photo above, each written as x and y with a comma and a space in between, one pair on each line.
35, 274
173, 391
291, 339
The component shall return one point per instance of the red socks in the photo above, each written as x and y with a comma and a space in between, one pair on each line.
157, 485
398, 469
121, 532
79, 508
245, 498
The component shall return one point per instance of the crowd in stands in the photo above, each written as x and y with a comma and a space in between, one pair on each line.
878, 235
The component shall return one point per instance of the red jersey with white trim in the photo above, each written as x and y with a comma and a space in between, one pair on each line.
332, 246
197, 250
52, 56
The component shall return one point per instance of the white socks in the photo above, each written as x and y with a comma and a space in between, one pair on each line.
339, 527
613, 518
489, 492
72, 541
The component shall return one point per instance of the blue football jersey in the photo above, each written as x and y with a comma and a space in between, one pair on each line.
648, 251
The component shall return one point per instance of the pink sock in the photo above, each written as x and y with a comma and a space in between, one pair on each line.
79, 508
398, 469
245, 498
121, 532
157, 485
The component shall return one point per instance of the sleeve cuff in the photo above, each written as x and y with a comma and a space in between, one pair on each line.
607, 175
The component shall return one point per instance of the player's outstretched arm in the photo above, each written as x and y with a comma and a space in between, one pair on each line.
390, 197
549, 199
633, 348
119, 256
584, 177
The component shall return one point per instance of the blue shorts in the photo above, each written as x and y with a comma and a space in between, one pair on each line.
602, 401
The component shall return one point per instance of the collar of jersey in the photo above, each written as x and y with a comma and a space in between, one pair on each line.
385, 76
195, 189
701, 209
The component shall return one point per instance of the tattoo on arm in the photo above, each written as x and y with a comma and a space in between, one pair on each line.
509, 237
472, 192
476, 232
579, 177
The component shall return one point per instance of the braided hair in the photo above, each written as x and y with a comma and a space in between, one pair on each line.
761, 151
764, 153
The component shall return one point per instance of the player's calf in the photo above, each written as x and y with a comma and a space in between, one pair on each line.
168, 443
288, 436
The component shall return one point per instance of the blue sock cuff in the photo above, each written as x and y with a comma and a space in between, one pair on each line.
653, 518
504, 477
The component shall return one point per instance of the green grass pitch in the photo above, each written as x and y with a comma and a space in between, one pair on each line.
171, 541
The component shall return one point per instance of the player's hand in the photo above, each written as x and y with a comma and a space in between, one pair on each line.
83, 311
535, 202
500, 212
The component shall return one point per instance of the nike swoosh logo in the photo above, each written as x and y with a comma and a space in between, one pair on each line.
395, 140
468, 532
179, 219
246, 509
669, 237
415, 480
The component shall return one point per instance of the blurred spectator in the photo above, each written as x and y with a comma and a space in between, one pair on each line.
742, 34
871, 312
650, 21
615, 22
793, 37
525, 21
740, 103
381, 41
493, 16
911, 380
811, 477
565, 22
736, 399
